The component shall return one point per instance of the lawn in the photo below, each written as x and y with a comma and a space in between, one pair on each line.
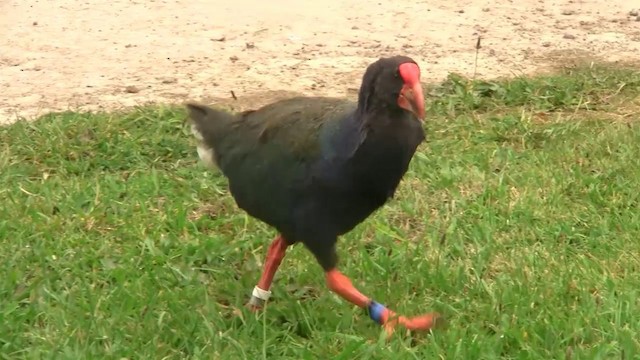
518, 220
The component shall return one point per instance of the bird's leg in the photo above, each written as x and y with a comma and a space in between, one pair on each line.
341, 285
275, 254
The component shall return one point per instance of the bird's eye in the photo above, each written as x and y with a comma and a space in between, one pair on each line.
396, 73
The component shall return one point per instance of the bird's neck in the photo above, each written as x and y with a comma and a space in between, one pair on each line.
379, 114
384, 120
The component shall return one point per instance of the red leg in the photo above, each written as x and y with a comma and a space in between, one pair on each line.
275, 254
341, 285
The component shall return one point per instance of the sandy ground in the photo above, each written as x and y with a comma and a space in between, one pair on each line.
94, 54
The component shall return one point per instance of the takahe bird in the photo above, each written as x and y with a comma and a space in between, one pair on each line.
315, 167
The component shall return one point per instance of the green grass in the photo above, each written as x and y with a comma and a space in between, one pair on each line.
519, 220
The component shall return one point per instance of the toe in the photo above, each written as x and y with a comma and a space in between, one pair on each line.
423, 322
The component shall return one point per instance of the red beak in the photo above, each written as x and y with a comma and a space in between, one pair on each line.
412, 99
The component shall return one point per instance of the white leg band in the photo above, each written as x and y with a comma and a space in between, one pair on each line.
261, 294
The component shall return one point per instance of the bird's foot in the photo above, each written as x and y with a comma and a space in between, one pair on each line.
253, 308
426, 322
390, 320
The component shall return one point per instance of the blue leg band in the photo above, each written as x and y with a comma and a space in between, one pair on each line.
375, 311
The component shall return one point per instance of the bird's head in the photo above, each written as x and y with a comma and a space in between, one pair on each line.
393, 82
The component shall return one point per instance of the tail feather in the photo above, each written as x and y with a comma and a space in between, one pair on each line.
206, 125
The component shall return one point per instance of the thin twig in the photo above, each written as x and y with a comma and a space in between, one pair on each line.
475, 65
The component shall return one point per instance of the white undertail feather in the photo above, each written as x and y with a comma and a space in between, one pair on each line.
205, 153
196, 133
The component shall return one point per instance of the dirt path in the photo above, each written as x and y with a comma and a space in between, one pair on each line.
106, 54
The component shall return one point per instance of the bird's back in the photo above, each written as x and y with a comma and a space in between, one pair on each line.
269, 154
